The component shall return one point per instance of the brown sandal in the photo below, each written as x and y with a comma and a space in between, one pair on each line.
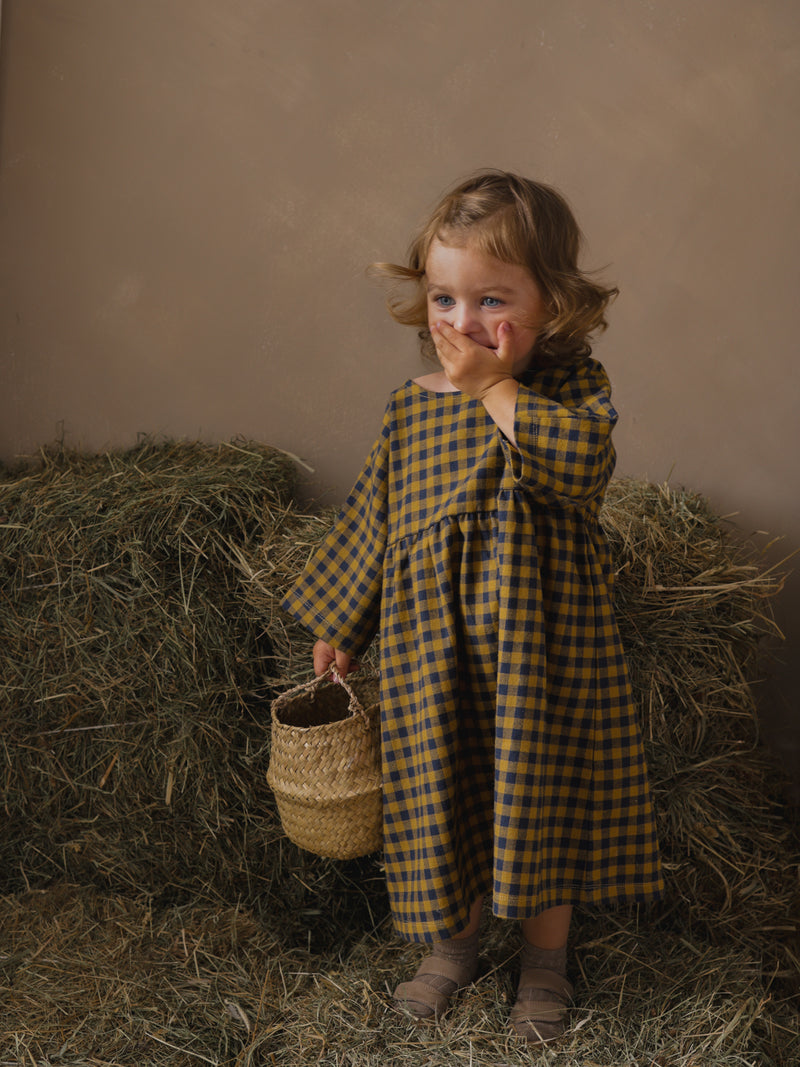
540, 1012
430, 991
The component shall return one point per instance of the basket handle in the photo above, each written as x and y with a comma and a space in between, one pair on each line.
354, 706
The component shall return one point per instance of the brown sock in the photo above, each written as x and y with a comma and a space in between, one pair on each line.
451, 965
552, 959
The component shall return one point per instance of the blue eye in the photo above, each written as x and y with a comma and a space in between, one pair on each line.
443, 301
492, 302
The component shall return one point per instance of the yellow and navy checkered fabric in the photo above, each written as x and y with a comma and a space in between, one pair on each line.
512, 757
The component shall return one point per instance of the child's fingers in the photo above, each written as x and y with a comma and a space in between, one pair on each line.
446, 336
324, 655
445, 349
450, 344
505, 341
440, 338
344, 663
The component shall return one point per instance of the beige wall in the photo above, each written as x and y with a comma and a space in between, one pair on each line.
190, 191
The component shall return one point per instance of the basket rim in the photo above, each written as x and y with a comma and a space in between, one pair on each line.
355, 708
284, 726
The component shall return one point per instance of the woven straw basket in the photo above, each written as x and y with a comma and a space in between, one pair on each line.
325, 767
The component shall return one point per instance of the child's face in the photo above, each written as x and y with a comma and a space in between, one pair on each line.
475, 292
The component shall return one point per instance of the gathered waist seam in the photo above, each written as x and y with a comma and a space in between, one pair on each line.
415, 535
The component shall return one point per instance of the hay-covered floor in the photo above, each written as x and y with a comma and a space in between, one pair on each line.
151, 911
91, 978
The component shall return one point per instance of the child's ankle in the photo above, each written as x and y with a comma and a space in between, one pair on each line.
550, 959
458, 949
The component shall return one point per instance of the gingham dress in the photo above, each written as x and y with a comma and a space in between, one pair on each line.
512, 758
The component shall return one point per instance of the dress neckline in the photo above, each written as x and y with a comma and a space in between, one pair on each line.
433, 392
435, 378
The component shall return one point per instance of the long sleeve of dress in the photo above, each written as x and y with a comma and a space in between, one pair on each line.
338, 596
564, 455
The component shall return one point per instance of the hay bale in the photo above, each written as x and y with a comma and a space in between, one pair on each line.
267, 572
693, 603
133, 674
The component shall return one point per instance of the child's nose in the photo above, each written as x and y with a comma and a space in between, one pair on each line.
464, 319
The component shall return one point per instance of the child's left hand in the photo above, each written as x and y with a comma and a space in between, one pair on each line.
470, 367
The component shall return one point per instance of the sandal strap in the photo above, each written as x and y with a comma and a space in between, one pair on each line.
411, 995
537, 980
443, 968
538, 1011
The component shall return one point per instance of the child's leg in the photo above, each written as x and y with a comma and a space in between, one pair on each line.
474, 920
451, 965
544, 993
549, 929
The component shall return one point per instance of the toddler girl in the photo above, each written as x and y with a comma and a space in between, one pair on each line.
512, 759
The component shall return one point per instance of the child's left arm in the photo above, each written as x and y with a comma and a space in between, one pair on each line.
558, 445
563, 452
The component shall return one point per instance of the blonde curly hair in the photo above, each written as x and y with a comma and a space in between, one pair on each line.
518, 221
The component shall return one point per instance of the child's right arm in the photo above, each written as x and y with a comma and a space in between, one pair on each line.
338, 595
